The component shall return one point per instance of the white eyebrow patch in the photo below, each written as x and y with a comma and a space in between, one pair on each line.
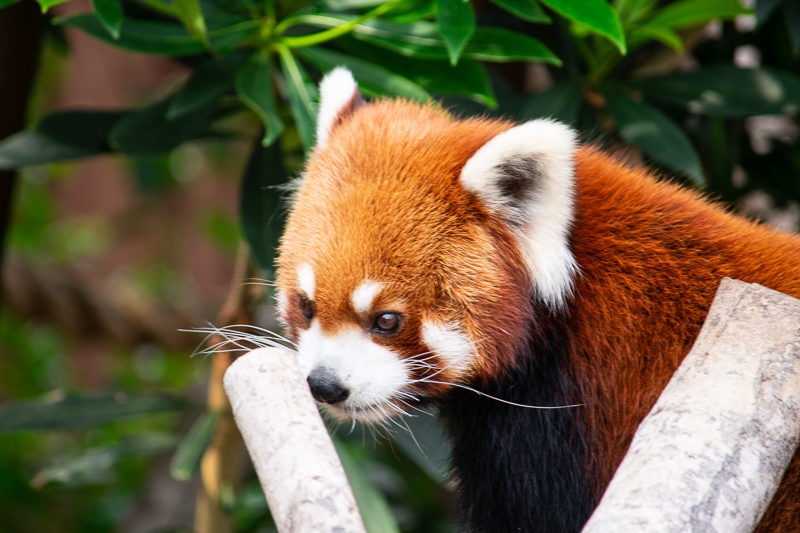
449, 342
364, 294
305, 280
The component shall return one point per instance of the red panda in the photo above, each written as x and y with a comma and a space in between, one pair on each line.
424, 254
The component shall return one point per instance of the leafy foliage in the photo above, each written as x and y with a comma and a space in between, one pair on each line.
615, 70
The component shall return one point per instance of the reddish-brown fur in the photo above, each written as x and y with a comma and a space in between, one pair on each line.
382, 201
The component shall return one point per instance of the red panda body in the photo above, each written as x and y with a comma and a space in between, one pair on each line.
423, 251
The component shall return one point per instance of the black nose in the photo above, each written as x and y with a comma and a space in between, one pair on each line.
326, 387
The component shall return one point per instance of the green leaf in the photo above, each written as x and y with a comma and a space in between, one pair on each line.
59, 136
6, 3
529, 10
254, 87
189, 13
725, 90
96, 465
260, 203
764, 10
186, 460
456, 21
598, 15
562, 101
632, 11
372, 79
372, 504
688, 13
140, 35
468, 78
207, 84
644, 33
422, 40
58, 410
150, 131
47, 4
655, 133
302, 94
342, 5
109, 12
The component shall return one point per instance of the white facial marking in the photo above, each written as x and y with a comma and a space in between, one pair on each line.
282, 306
364, 295
542, 221
337, 89
373, 374
450, 343
305, 280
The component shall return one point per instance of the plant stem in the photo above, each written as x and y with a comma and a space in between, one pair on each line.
333, 33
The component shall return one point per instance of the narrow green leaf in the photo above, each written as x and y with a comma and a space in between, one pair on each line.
59, 410
186, 460
688, 13
372, 79
96, 465
562, 101
725, 90
598, 15
422, 40
140, 35
529, 10
645, 33
207, 83
302, 94
109, 12
47, 4
260, 203
632, 11
192, 17
254, 87
655, 133
59, 136
150, 131
342, 5
456, 21
372, 505
6, 3
468, 78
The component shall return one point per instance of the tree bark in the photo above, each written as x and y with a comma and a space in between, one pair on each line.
712, 452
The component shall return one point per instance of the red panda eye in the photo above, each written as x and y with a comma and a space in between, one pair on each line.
306, 308
386, 323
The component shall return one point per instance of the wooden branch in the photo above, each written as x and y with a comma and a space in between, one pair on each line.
712, 452
293, 455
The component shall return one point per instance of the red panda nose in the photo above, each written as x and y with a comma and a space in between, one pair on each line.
326, 387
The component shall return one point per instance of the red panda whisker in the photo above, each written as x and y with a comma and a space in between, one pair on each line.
481, 393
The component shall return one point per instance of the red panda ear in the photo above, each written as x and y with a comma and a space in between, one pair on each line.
339, 97
525, 177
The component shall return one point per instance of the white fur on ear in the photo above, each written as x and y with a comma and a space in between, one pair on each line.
525, 176
338, 93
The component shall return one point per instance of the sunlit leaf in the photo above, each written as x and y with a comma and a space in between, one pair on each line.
644, 33
254, 87
302, 94
687, 13
109, 12
655, 133
186, 460
192, 17
372, 78
47, 4
598, 15
456, 21
59, 410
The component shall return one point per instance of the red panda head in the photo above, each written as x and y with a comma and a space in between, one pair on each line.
417, 247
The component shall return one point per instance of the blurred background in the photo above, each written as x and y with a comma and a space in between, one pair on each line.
141, 146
